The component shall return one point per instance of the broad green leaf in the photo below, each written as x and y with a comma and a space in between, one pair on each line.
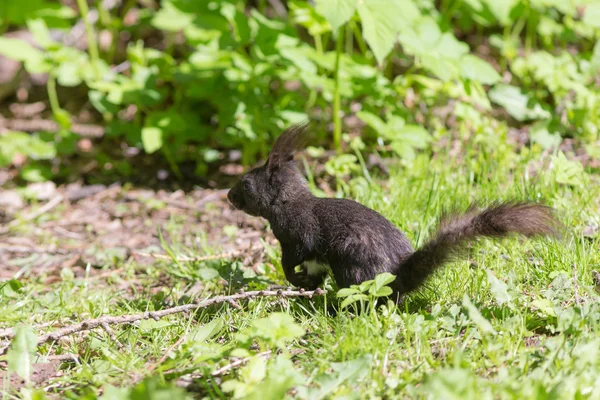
539, 134
415, 135
592, 15
516, 103
380, 21
347, 292
568, 172
325, 384
353, 299
336, 12
152, 139
278, 328
373, 121
545, 306
475, 68
498, 288
207, 331
475, 316
169, 18
382, 280
19, 50
21, 351
501, 9
36, 173
453, 384
40, 32
383, 292
62, 118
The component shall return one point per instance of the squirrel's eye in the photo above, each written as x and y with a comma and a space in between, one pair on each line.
246, 185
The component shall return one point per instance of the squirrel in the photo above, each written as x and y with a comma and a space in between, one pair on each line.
355, 242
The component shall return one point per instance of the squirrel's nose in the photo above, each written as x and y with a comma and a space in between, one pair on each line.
235, 197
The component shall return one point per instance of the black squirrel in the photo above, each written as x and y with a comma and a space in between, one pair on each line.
356, 242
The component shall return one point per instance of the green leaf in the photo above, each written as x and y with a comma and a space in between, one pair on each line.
373, 121
353, 299
347, 292
20, 50
591, 16
568, 172
278, 328
152, 139
415, 135
36, 173
326, 384
516, 103
21, 352
475, 316
382, 280
336, 12
40, 32
475, 68
207, 331
498, 288
169, 18
539, 134
62, 118
380, 21
383, 292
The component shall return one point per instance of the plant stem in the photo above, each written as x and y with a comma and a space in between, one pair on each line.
89, 29
52, 94
337, 122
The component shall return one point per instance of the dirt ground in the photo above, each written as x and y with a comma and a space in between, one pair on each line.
74, 225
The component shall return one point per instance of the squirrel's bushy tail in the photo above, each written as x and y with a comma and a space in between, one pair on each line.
457, 230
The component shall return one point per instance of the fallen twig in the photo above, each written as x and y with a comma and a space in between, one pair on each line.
34, 125
229, 254
156, 315
30, 217
238, 362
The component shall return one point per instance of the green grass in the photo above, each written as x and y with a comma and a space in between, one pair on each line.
512, 322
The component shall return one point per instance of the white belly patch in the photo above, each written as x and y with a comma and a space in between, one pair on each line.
314, 268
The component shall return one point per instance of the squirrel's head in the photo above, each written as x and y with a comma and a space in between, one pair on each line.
263, 190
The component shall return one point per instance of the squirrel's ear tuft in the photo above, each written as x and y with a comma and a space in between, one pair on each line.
292, 139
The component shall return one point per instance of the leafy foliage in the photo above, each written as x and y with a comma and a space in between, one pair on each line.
231, 77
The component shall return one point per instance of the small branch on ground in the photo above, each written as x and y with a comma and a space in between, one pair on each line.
34, 125
30, 217
238, 362
156, 315
229, 254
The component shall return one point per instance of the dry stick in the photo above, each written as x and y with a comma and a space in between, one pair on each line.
238, 362
40, 211
33, 125
230, 254
156, 315
112, 335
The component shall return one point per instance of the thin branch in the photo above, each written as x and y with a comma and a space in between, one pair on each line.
156, 315
238, 362
34, 125
229, 254
112, 335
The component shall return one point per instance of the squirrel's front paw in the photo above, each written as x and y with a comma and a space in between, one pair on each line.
305, 281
